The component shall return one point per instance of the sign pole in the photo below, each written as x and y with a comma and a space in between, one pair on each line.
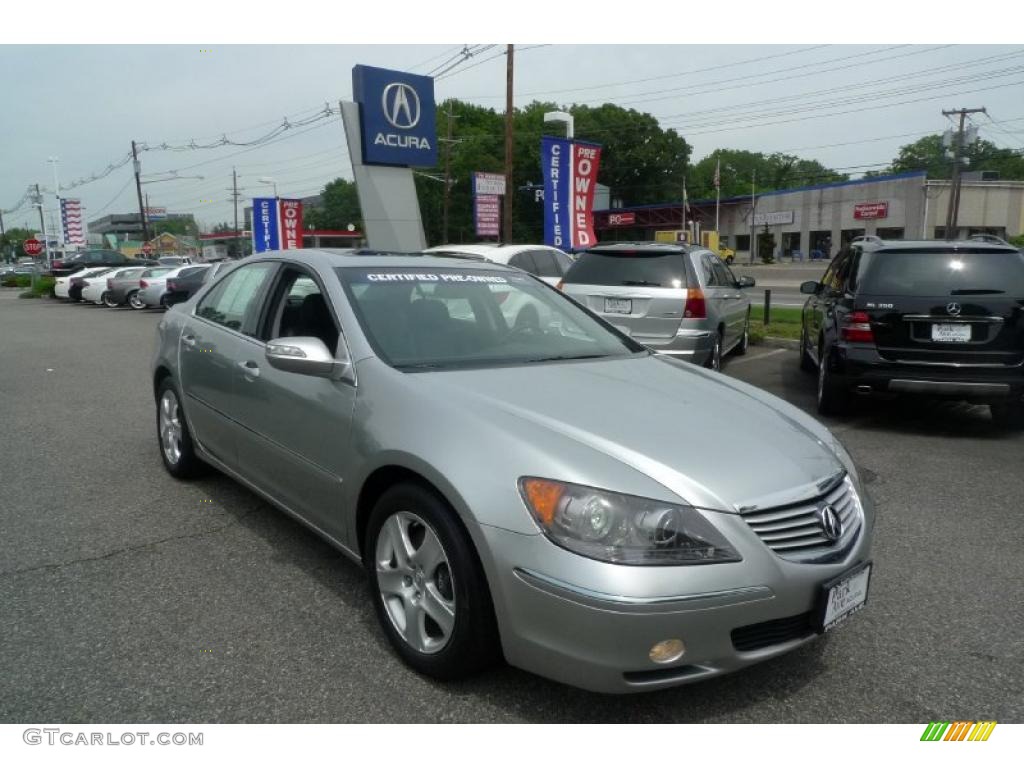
506, 235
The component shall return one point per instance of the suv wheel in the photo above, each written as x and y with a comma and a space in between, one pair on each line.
1008, 415
741, 348
806, 363
833, 398
715, 361
427, 585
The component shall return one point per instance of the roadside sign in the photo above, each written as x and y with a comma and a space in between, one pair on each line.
621, 219
147, 247
32, 247
871, 210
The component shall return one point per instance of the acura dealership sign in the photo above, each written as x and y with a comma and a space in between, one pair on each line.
398, 120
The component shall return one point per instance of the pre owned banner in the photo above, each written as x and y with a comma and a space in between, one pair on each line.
290, 212
570, 177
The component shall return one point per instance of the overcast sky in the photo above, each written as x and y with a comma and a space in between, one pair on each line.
85, 105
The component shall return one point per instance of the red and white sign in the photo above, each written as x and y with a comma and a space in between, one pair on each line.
487, 213
290, 217
621, 219
585, 159
488, 183
32, 247
870, 210
147, 247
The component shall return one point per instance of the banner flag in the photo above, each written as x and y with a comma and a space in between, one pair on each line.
570, 178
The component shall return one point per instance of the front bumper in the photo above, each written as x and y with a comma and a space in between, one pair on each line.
691, 344
592, 624
862, 369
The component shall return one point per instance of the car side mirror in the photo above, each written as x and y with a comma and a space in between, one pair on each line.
308, 356
811, 286
746, 282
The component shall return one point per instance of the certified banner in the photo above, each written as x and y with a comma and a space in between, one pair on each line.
290, 213
570, 177
264, 225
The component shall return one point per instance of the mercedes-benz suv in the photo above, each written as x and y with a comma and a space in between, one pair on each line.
937, 318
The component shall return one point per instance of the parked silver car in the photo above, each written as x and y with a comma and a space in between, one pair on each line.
676, 299
554, 495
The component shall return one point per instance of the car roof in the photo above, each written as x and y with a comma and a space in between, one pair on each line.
328, 258
496, 252
944, 246
645, 246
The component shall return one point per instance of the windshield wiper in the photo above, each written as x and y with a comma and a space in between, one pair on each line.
969, 291
641, 282
563, 357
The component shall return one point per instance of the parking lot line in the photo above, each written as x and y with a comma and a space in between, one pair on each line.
749, 358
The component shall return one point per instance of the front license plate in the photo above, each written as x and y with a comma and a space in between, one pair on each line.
951, 332
843, 596
618, 306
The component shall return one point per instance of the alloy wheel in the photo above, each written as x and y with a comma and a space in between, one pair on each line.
414, 579
170, 427
136, 302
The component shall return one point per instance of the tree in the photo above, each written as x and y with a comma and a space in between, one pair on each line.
185, 225
774, 171
766, 245
930, 155
339, 207
10, 243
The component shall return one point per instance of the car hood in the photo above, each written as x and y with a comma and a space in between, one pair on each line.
715, 442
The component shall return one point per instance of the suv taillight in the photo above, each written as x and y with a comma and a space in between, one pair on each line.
857, 327
143, 284
695, 306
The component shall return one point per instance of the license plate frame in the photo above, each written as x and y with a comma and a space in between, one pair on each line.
826, 616
615, 306
951, 333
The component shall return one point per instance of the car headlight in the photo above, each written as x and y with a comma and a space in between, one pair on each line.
618, 528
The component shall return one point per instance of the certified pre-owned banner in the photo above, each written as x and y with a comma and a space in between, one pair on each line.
264, 225
291, 224
570, 176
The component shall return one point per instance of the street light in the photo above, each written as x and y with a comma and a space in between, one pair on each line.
562, 117
268, 180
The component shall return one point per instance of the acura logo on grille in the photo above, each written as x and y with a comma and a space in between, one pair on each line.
401, 106
831, 525
953, 308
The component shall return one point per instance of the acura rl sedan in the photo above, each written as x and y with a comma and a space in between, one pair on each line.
549, 494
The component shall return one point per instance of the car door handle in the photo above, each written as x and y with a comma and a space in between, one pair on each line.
250, 369
188, 340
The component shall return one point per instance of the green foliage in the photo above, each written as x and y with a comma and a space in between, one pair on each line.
186, 226
43, 287
339, 207
13, 238
928, 154
774, 171
9, 282
766, 246
1017, 241
23, 281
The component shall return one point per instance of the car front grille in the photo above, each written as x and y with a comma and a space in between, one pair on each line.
753, 637
796, 533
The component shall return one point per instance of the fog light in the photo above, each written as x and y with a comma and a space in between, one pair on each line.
667, 651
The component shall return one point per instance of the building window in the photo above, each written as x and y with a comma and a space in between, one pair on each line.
890, 233
742, 242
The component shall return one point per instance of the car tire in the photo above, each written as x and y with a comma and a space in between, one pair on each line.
744, 345
806, 362
1008, 415
107, 301
173, 437
134, 301
714, 362
833, 397
421, 563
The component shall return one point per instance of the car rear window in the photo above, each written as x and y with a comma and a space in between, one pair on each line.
962, 272
667, 270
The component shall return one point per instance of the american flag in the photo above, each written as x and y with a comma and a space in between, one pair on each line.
71, 217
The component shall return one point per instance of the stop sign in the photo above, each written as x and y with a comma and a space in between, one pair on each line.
32, 247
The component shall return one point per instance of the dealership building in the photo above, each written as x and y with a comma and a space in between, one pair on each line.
818, 220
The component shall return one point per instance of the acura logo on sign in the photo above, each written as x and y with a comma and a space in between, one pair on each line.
401, 106
953, 308
831, 525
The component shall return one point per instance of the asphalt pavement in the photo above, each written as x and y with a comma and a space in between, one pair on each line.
127, 596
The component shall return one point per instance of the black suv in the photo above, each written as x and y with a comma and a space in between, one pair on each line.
94, 258
938, 318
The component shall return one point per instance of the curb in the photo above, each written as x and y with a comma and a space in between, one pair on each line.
775, 341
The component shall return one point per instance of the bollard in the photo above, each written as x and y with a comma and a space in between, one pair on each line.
767, 305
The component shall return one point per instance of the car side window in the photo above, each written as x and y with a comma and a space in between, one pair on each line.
233, 302
707, 266
842, 265
546, 264
300, 308
828, 282
730, 276
524, 261
563, 261
725, 277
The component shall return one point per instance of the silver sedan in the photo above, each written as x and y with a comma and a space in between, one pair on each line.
551, 494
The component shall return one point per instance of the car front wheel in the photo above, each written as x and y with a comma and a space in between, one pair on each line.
109, 301
833, 397
176, 447
715, 360
427, 585
135, 301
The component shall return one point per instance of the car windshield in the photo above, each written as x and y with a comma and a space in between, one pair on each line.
932, 272
453, 318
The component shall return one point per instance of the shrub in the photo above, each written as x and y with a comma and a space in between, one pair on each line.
10, 282
23, 281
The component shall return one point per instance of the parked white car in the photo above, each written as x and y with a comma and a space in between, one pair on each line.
152, 289
547, 263
63, 283
96, 284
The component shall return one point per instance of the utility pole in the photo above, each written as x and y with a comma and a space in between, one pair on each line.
753, 211
447, 175
42, 222
234, 197
138, 189
3, 233
954, 189
506, 230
